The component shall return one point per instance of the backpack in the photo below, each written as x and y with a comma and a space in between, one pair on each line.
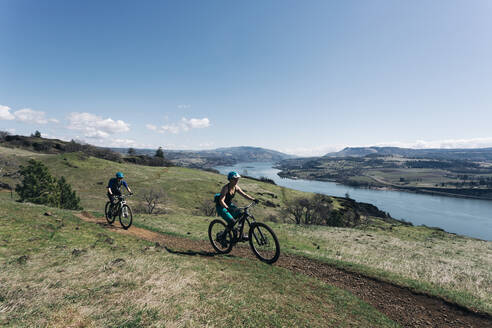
216, 198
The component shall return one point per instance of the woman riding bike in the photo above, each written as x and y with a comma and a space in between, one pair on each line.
223, 200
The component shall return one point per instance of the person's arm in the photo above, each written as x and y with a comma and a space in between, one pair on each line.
242, 193
222, 198
126, 186
109, 188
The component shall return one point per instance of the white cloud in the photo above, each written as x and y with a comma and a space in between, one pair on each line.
446, 143
310, 151
185, 125
5, 113
94, 126
151, 127
196, 123
184, 106
172, 128
27, 115
418, 144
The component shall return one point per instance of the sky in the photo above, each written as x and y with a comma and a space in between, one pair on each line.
302, 77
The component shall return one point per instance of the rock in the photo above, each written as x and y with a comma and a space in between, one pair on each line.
48, 214
78, 252
118, 262
23, 259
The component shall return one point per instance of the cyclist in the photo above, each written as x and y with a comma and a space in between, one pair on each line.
114, 187
223, 200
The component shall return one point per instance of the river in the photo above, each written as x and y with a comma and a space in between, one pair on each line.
470, 217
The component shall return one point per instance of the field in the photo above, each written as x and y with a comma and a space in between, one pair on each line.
426, 260
57, 271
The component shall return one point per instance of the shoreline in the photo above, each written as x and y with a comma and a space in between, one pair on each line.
414, 190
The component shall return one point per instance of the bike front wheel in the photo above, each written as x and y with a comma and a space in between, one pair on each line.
264, 242
220, 238
126, 216
108, 213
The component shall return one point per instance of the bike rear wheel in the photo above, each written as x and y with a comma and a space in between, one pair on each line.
264, 242
126, 216
107, 213
220, 238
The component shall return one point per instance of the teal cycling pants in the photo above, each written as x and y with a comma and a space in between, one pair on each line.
228, 214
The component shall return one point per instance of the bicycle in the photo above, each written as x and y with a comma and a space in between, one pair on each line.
262, 239
120, 209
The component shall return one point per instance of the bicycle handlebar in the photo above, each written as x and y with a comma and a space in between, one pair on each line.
253, 204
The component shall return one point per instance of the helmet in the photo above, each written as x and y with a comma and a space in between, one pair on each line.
233, 175
119, 175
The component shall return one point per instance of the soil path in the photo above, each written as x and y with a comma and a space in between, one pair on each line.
402, 305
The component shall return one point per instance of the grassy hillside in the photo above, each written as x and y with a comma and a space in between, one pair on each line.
424, 259
58, 271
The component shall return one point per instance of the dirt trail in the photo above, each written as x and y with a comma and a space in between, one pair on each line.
402, 305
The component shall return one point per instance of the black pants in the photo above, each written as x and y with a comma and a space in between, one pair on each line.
114, 197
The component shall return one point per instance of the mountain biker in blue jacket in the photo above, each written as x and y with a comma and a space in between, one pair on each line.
114, 187
223, 200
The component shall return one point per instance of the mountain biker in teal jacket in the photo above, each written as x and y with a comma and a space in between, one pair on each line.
114, 187
223, 200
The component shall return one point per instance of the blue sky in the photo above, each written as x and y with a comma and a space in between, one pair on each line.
303, 77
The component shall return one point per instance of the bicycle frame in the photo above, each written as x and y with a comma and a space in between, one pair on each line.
243, 217
121, 201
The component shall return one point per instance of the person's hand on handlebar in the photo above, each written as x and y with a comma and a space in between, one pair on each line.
256, 200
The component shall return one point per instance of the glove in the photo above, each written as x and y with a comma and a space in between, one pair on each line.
256, 201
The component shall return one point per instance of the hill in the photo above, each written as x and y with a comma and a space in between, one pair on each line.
215, 157
60, 271
473, 154
414, 257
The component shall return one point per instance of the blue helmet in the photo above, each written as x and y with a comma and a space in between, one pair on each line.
233, 175
119, 175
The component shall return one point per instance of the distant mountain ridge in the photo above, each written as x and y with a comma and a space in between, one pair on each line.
215, 157
472, 154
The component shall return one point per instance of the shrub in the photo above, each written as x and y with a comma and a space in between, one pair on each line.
40, 187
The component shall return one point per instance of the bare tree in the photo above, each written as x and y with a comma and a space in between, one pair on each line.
152, 198
206, 207
315, 210
3, 135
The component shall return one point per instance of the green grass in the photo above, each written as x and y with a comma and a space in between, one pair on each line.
422, 258
457, 268
58, 271
185, 188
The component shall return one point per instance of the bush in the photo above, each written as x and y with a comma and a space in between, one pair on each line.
40, 187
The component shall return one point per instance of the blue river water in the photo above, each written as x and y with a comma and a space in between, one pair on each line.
470, 217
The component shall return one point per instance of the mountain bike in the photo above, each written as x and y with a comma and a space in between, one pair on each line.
120, 209
262, 239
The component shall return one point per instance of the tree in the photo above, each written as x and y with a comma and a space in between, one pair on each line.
40, 187
68, 198
131, 151
152, 198
206, 207
159, 153
3, 135
36, 134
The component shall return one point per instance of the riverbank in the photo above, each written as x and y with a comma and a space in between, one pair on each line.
471, 193
460, 215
